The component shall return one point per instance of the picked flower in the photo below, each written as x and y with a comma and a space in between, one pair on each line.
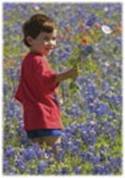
86, 50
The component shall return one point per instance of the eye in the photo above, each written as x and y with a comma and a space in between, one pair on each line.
54, 38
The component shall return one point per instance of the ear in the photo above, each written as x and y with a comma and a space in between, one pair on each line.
29, 40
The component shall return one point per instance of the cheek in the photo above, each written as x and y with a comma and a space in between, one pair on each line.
45, 44
40, 45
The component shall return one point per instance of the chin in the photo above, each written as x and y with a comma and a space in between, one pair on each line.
49, 52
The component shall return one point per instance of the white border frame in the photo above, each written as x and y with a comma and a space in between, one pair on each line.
1, 74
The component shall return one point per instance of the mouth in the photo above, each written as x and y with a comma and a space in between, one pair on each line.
49, 48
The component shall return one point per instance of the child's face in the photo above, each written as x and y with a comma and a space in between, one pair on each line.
44, 43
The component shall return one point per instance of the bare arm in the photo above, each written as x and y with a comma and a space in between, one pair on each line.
70, 74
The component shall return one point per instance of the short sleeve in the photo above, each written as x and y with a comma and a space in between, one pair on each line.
44, 78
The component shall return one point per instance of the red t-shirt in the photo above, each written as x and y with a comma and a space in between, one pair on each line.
36, 92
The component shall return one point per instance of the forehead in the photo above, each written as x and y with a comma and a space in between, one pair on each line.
45, 34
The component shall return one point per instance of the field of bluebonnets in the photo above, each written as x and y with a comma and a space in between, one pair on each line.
89, 35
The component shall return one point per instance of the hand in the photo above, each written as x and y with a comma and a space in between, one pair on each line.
70, 74
74, 72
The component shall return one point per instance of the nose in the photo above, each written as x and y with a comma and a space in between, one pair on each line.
53, 43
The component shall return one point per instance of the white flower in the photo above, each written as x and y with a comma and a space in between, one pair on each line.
106, 9
107, 64
106, 29
37, 8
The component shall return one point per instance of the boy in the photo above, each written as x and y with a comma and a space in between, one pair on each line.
38, 82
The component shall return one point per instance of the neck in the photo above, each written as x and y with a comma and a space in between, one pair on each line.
35, 52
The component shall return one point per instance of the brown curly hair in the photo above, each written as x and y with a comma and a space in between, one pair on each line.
35, 25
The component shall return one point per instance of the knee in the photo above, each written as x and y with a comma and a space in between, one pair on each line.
50, 141
36, 140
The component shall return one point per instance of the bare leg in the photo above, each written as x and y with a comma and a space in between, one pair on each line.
49, 141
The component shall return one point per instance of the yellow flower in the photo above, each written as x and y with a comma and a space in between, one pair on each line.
86, 40
117, 30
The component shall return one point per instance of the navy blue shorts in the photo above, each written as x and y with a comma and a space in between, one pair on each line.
45, 132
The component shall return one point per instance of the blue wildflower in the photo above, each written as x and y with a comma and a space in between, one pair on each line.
87, 156
102, 109
21, 165
5, 165
95, 160
63, 171
75, 111
60, 155
9, 151
115, 162
91, 20
116, 99
88, 136
38, 151
77, 170
42, 166
29, 154
101, 170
